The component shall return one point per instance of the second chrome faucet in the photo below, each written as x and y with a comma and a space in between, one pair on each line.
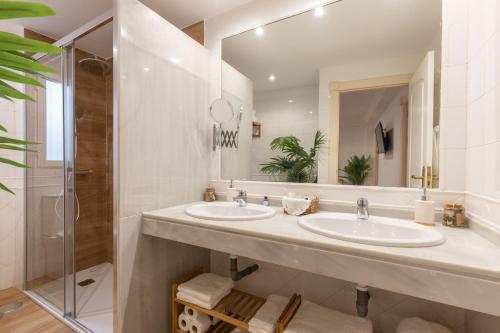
241, 198
363, 213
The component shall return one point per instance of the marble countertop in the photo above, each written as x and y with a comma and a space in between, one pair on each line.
464, 251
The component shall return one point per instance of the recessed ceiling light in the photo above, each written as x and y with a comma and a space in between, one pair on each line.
146, 69
290, 101
259, 31
319, 11
310, 112
175, 60
272, 78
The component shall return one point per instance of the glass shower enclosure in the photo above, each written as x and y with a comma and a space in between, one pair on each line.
52, 208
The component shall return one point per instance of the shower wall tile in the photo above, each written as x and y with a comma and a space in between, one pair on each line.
164, 139
12, 206
91, 99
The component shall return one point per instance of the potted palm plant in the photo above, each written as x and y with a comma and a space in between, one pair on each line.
15, 62
298, 164
356, 170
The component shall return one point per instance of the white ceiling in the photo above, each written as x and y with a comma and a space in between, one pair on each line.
362, 107
295, 49
183, 13
72, 14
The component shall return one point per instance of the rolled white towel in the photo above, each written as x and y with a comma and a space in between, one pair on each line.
206, 287
418, 325
313, 318
266, 317
295, 206
196, 301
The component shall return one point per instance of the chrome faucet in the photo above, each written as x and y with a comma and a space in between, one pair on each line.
363, 213
241, 198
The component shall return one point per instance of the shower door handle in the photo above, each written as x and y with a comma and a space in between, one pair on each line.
84, 172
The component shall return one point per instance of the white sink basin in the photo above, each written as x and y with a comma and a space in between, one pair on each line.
229, 211
375, 231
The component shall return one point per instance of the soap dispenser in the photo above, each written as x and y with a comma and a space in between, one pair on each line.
231, 192
425, 210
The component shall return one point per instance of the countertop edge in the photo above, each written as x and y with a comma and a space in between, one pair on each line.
345, 250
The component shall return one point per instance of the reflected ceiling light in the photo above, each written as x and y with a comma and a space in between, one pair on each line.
290, 101
272, 78
259, 31
175, 60
319, 11
310, 112
146, 69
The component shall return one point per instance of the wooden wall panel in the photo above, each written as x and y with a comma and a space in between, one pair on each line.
196, 32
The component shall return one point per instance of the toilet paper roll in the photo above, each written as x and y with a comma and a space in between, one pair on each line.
200, 324
184, 322
193, 313
215, 321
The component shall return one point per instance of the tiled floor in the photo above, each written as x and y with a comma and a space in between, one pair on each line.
29, 318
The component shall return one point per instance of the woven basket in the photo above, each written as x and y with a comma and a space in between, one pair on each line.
313, 207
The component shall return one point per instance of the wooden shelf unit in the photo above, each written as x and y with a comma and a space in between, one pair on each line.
233, 311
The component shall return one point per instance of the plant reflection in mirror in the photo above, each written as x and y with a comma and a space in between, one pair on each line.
296, 163
356, 170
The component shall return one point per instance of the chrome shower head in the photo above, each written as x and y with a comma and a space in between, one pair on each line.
95, 65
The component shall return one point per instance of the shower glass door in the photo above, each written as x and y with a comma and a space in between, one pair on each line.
50, 187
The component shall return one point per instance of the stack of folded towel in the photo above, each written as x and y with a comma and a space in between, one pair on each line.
266, 317
205, 290
417, 325
312, 318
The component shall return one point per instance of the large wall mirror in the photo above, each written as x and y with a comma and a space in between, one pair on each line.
347, 93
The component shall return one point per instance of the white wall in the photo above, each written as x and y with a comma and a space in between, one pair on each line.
279, 117
357, 137
12, 206
390, 164
386, 308
164, 156
238, 90
358, 69
482, 139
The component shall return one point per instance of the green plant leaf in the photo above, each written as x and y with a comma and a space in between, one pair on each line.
7, 140
17, 148
5, 74
14, 61
13, 163
3, 129
298, 165
5, 188
13, 42
22, 55
9, 91
18, 9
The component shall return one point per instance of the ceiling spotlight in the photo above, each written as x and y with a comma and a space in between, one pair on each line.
272, 78
310, 112
146, 69
175, 60
319, 11
290, 101
259, 31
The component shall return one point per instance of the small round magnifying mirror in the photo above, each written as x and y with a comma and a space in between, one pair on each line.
221, 111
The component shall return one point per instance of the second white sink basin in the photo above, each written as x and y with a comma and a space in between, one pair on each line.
229, 211
376, 230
